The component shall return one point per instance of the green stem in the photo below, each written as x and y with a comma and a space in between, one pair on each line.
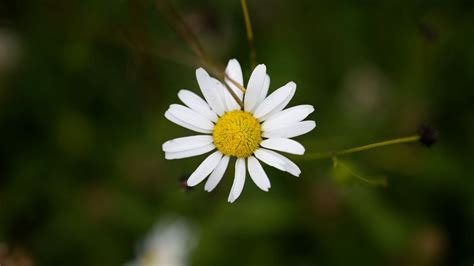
248, 28
375, 182
324, 155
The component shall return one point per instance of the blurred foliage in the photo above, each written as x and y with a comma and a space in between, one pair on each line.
84, 86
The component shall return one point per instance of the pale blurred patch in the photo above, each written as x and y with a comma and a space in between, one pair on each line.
365, 91
10, 51
14, 256
169, 244
428, 246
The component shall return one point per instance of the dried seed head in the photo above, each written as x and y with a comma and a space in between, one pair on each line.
428, 135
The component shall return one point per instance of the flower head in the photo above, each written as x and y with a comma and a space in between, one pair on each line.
237, 133
249, 133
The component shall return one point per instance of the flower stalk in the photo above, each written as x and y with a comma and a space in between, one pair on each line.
250, 39
332, 154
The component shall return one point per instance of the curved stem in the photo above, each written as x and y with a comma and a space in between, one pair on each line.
375, 182
248, 28
324, 155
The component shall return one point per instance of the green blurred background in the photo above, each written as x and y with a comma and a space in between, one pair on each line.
84, 86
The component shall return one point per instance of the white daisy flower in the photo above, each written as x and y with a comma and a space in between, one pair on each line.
249, 134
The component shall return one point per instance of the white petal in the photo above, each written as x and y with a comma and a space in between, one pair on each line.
234, 71
196, 103
208, 90
184, 124
229, 102
276, 101
204, 169
278, 161
239, 180
284, 145
288, 116
189, 153
217, 174
190, 116
290, 166
290, 130
187, 143
266, 157
257, 174
264, 92
254, 87
280, 107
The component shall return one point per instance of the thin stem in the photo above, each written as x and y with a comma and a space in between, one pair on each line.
315, 156
248, 27
241, 88
222, 78
236, 98
175, 18
168, 9
375, 182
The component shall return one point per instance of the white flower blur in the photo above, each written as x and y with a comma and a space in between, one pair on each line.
250, 134
169, 243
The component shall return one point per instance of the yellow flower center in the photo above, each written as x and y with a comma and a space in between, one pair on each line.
237, 133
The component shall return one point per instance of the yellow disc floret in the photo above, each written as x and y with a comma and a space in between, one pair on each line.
237, 133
